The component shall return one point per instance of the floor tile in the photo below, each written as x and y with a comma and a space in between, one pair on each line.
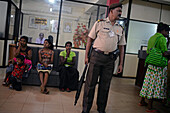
53, 108
123, 98
32, 107
16, 107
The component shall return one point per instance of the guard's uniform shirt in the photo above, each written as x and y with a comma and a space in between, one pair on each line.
106, 36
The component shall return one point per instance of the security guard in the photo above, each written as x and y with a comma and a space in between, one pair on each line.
106, 34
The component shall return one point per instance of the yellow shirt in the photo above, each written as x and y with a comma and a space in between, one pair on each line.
70, 58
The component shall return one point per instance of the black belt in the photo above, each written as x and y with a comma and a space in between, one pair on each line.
103, 52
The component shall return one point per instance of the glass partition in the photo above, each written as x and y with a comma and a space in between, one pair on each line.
138, 35
20, 25
12, 21
16, 2
3, 13
41, 19
76, 21
77, 18
102, 12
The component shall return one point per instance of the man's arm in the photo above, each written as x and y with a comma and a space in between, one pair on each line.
89, 42
120, 68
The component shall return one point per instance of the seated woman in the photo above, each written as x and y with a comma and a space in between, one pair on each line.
68, 74
21, 49
45, 59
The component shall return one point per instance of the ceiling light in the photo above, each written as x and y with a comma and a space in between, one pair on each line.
51, 9
52, 1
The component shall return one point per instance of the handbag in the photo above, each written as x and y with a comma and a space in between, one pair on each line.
155, 57
42, 67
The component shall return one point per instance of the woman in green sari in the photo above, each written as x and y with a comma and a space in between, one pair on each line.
155, 82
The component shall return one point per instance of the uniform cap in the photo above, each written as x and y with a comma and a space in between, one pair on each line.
113, 6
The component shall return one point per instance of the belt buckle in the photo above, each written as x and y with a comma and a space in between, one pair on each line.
106, 52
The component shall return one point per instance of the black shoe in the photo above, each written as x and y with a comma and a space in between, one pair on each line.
101, 111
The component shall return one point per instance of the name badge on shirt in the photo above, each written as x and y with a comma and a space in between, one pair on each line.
111, 34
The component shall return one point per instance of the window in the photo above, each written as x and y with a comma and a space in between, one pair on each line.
3, 12
138, 35
12, 21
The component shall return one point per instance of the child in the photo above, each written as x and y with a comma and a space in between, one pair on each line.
16, 76
9, 70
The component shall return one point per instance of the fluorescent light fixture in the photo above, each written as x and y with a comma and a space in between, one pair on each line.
51, 1
51, 9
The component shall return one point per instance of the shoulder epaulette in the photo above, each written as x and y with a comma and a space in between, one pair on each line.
99, 20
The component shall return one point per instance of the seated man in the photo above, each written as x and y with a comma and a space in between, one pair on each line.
40, 39
68, 74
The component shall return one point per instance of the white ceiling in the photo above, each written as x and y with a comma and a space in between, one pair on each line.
93, 1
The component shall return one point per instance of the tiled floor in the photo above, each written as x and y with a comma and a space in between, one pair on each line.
123, 98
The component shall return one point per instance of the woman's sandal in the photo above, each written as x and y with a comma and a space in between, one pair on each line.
46, 91
143, 104
42, 89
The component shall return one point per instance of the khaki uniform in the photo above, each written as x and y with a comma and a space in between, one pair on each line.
101, 62
107, 35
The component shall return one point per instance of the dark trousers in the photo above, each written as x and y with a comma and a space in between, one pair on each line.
16, 83
68, 78
100, 66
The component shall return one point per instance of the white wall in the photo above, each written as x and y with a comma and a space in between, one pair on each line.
140, 32
165, 17
3, 12
145, 11
125, 8
1, 51
130, 65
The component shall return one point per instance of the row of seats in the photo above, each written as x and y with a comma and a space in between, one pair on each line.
53, 80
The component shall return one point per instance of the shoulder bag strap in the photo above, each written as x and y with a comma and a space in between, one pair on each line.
156, 41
